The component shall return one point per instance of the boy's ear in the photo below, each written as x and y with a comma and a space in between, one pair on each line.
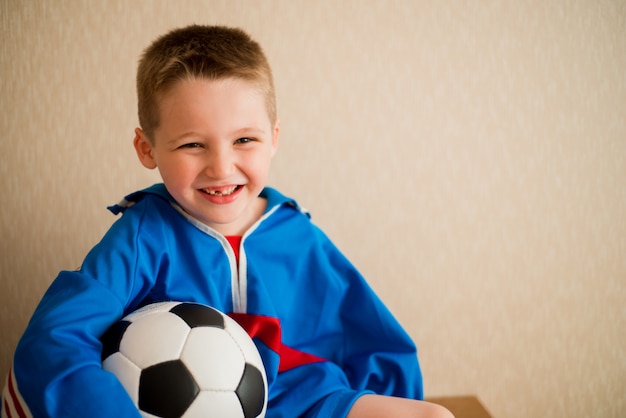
275, 137
143, 147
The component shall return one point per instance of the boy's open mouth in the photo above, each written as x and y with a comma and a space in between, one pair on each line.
226, 191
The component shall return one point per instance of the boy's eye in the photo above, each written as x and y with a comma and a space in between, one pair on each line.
191, 145
243, 140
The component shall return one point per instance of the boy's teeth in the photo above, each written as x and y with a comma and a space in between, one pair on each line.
224, 192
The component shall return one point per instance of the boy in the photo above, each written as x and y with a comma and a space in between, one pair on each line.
213, 233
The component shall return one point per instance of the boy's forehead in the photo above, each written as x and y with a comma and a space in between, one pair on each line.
252, 88
229, 99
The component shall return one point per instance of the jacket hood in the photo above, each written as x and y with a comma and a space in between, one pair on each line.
273, 196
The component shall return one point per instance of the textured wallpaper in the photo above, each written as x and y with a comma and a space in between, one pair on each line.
468, 157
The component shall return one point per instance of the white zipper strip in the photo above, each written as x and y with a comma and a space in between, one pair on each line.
238, 277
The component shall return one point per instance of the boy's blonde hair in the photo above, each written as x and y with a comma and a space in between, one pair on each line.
209, 52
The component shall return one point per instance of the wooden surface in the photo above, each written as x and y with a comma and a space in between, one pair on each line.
462, 406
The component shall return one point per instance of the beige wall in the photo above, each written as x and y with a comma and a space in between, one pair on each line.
469, 157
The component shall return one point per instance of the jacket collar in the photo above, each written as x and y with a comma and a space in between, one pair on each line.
273, 196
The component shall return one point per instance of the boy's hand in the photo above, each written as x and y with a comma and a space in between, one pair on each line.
376, 406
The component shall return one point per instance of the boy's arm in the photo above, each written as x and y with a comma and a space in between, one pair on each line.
366, 349
379, 355
375, 406
56, 369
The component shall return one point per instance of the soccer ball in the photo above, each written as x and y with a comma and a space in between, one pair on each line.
179, 359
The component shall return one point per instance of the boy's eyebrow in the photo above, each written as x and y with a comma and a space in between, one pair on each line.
238, 132
183, 136
248, 130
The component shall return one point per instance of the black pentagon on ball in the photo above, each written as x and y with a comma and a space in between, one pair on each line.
166, 389
112, 337
196, 315
251, 391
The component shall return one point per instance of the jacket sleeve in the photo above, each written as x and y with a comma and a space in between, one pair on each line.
332, 313
379, 355
56, 369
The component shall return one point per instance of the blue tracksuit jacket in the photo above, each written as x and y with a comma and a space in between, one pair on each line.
324, 336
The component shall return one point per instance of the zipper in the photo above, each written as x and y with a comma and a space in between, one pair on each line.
238, 273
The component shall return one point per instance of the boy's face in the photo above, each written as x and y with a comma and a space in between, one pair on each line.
213, 149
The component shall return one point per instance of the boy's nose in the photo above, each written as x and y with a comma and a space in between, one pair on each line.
220, 164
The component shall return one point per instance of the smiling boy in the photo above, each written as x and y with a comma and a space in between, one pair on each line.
214, 233
213, 149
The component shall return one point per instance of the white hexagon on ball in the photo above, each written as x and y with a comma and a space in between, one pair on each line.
214, 359
145, 347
